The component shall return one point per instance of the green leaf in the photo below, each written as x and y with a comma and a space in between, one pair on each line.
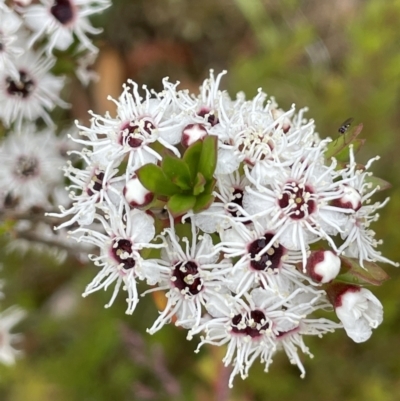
203, 202
376, 182
192, 157
342, 142
180, 204
154, 179
208, 158
209, 187
177, 171
355, 274
344, 154
199, 184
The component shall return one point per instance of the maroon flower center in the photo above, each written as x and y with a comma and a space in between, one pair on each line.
209, 115
26, 167
297, 201
250, 325
186, 278
23, 87
96, 183
271, 259
237, 199
132, 133
121, 250
62, 11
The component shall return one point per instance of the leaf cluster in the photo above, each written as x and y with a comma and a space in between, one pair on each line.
185, 183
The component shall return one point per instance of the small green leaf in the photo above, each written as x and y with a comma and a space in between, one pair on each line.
154, 179
378, 182
192, 157
355, 274
209, 187
180, 204
203, 202
344, 154
199, 184
177, 171
208, 158
342, 142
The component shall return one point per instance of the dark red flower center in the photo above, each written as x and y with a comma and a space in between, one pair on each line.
96, 183
237, 199
62, 11
271, 259
250, 325
209, 115
185, 277
121, 250
23, 87
132, 132
297, 200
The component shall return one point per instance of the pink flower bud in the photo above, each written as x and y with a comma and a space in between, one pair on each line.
136, 194
323, 266
358, 310
192, 133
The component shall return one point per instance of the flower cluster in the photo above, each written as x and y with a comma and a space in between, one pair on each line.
32, 157
247, 221
31, 179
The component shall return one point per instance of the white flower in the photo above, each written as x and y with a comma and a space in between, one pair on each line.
33, 94
10, 22
84, 71
9, 318
91, 190
260, 262
254, 329
359, 311
138, 125
31, 167
61, 19
128, 233
192, 276
295, 205
359, 238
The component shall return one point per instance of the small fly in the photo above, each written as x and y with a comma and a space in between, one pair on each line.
345, 125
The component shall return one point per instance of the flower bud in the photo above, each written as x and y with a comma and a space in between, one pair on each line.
351, 199
192, 133
323, 266
136, 194
357, 308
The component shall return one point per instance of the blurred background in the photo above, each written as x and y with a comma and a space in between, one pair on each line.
339, 58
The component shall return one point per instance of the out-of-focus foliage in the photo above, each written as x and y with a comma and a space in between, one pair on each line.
341, 59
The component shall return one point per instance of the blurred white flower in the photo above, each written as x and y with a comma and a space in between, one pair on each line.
8, 319
33, 94
31, 167
59, 20
10, 22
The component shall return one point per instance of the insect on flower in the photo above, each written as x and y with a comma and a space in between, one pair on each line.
345, 125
